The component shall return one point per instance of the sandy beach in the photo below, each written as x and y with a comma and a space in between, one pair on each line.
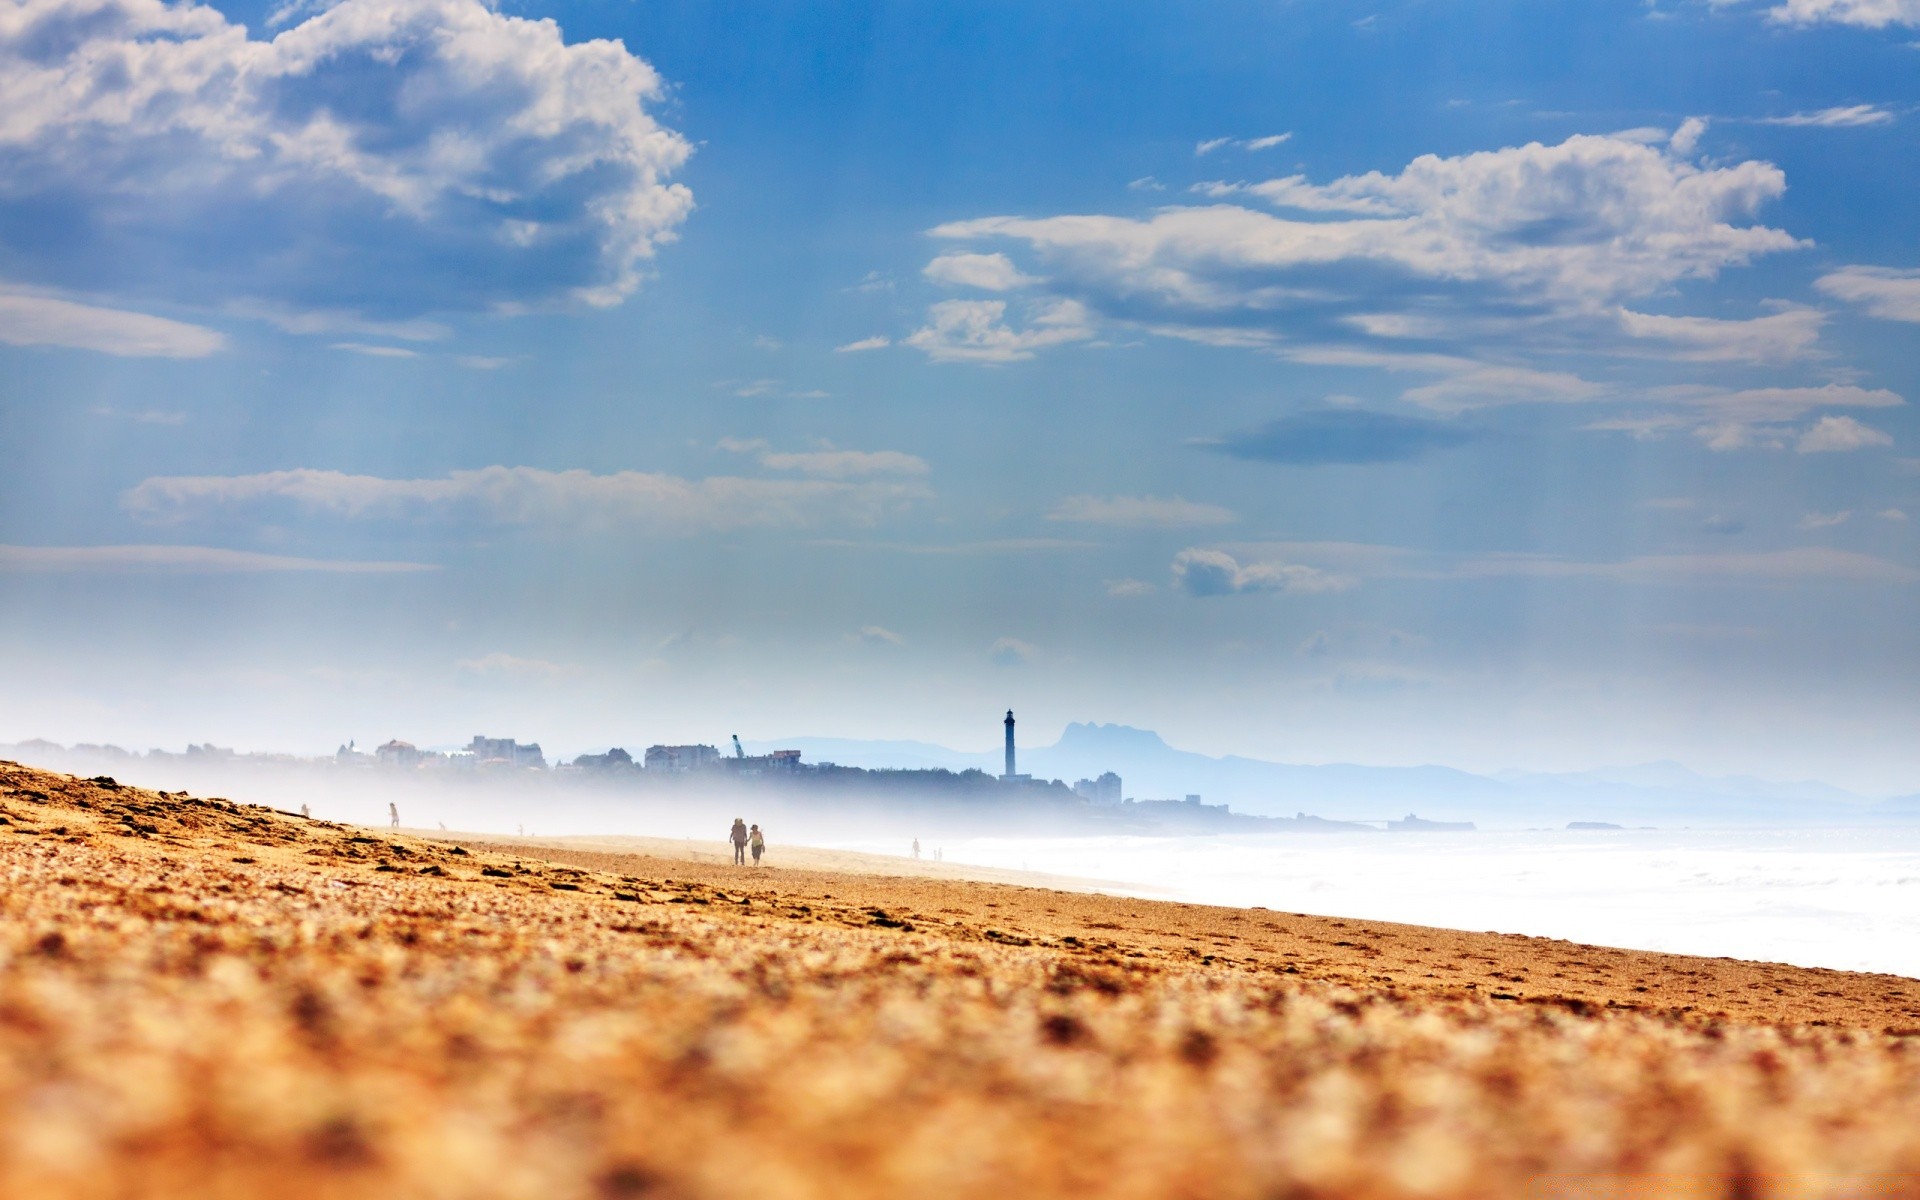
206, 999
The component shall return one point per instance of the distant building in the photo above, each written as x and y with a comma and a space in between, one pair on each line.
507, 751
678, 760
613, 760
1103, 791
397, 753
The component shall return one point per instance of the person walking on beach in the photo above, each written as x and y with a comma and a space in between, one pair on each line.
916, 847
738, 836
758, 842
393, 814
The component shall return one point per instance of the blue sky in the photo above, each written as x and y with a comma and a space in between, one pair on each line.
1496, 385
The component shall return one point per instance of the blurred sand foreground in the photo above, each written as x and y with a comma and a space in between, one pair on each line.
201, 999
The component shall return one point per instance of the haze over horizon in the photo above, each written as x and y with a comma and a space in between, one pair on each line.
1495, 387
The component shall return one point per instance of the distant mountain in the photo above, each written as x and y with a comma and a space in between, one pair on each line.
1662, 793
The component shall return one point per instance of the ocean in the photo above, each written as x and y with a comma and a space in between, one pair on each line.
1841, 898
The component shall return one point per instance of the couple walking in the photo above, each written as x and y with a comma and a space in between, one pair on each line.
743, 838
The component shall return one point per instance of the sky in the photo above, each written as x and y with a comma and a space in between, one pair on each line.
1495, 385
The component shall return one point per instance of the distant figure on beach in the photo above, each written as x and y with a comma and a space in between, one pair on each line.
304, 812
758, 842
916, 847
738, 836
393, 814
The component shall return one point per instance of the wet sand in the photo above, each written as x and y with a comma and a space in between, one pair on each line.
214, 1000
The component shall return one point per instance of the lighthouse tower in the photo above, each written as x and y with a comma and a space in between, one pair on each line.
1011, 776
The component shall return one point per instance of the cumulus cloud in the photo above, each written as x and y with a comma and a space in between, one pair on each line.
1350, 436
986, 272
1832, 435
1139, 512
1882, 291
1869, 14
1587, 221
871, 343
194, 560
34, 320
1847, 117
383, 158
1484, 244
525, 496
1783, 336
1217, 573
977, 331
828, 461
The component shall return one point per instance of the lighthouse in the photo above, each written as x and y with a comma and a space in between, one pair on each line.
1011, 776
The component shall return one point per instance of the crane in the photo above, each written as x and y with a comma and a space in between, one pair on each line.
737, 751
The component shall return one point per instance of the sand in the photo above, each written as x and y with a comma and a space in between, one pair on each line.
210, 1000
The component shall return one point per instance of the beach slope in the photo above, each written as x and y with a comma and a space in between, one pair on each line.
214, 1000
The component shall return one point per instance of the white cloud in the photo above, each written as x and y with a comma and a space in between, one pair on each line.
1128, 587
1780, 337
1139, 512
987, 272
1484, 385
872, 343
513, 668
1012, 652
1686, 139
510, 496
205, 560
845, 464
1883, 291
1579, 225
976, 331
1779, 566
1892, 514
828, 461
371, 351
1870, 14
384, 158
1839, 435
1217, 573
1753, 418
879, 635
1258, 143
1783, 403
1820, 520
1147, 183
1850, 116
34, 320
